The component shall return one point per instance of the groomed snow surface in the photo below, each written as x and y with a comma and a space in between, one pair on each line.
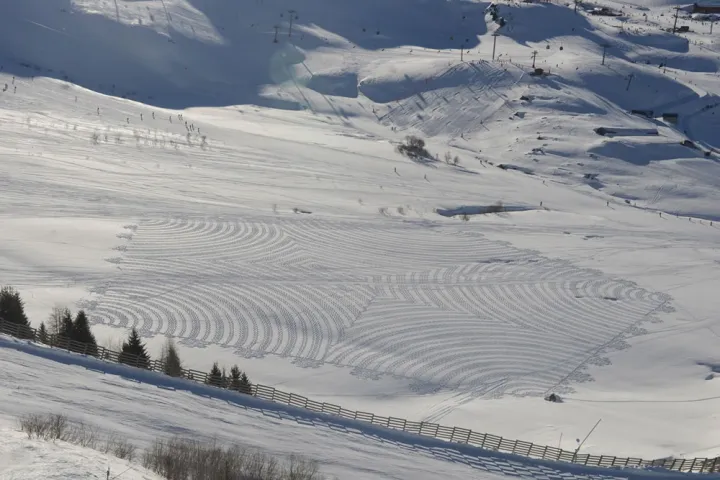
166, 165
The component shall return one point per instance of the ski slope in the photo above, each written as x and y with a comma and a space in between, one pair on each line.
166, 165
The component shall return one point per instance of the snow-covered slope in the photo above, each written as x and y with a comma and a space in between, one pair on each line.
132, 406
167, 165
24, 459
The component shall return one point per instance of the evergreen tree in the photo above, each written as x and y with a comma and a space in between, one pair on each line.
215, 376
66, 325
134, 352
81, 333
245, 385
12, 307
239, 380
235, 374
171, 359
43, 334
225, 380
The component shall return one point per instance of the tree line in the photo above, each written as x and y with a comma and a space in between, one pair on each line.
63, 327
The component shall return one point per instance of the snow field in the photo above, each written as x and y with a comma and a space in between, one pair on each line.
374, 300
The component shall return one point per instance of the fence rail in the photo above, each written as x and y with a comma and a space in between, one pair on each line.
450, 434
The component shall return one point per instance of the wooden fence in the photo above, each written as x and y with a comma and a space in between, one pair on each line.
449, 434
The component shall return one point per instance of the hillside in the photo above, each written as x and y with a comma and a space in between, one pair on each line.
167, 165
130, 405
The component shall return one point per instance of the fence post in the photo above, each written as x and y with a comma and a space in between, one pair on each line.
467, 440
514, 446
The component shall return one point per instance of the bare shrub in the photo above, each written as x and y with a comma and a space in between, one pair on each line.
414, 147
176, 459
82, 434
34, 425
53, 427
120, 448
44, 427
299, 468
180, 459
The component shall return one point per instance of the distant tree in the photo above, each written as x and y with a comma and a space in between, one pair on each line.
81, 333
235, 378
134, 351
65, 332
414, 147
225, 382
215, 376
12, 307
245, 385
239, 380
171, 359
43, 334
54, 321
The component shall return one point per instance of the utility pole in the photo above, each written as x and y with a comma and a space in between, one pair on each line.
677, 12
494, 35
711, 24
605, 47
276, 27
534, 54
629, 80
292, 17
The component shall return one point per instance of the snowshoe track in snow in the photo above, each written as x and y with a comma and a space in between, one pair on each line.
437, 306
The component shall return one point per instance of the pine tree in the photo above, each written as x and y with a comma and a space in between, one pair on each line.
81, 333
225, 382
235, 374
215, 376
66, 325
171, 359
239, 380
134, 352
43, 334
245, 385
12, 307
